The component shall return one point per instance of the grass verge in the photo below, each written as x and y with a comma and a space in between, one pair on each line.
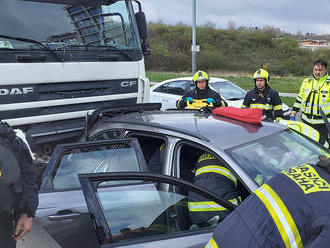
286, 84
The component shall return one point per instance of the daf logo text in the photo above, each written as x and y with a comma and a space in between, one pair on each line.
16, 91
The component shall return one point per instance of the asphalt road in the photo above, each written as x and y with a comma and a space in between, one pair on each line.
37, 238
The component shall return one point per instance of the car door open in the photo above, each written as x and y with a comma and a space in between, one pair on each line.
152, 210
62, 208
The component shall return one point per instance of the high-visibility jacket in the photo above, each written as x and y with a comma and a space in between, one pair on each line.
212, 175
198, 94
268, 100
301, 128
313, 94
291, 210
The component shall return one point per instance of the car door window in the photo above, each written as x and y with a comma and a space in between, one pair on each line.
95, 157
147, 209
175, 88
154, 150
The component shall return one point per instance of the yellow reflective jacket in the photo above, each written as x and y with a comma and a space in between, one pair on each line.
302, 128
313, 94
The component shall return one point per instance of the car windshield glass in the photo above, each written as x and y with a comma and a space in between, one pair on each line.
60, 26
267, 156
229, 90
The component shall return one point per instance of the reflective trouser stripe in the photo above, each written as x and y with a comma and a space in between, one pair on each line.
281, 216
311, 132
211, 244
206, 206
219, 170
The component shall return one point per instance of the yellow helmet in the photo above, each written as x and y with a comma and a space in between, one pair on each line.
261, 73
201, 75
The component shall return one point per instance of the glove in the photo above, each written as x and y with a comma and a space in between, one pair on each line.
189, 99
209, 100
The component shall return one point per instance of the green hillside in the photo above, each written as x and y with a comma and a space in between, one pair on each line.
232, 50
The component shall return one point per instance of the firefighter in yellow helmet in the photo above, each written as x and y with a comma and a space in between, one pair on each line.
202, 95
314, 94
262, 96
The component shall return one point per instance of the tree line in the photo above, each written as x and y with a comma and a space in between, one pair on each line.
242, 49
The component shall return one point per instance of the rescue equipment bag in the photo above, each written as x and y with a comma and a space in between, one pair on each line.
248, 115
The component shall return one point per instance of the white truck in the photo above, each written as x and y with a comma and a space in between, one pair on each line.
62, 58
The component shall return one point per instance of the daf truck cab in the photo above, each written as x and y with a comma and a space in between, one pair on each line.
60, 59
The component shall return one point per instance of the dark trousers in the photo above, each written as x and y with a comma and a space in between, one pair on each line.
6, 231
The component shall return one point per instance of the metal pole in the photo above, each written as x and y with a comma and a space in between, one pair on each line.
193, 47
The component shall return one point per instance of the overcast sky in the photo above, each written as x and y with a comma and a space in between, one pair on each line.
288, 15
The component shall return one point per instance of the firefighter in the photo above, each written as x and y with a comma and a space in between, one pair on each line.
262, 96
313, 94
218, 179
291, 210
18, 188
202, 95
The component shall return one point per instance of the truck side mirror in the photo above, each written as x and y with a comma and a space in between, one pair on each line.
142, 24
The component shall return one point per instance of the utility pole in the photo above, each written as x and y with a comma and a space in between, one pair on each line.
194, 47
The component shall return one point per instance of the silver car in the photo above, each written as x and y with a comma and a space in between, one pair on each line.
132, 208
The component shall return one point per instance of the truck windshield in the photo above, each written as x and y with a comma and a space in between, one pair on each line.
94, 25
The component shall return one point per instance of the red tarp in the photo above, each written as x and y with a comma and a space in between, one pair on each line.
248, 115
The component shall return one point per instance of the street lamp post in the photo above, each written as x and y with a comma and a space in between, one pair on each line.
194, 47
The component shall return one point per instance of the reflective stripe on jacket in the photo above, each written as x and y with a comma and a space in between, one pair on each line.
211, 175
291, 210
268, 100
314, 94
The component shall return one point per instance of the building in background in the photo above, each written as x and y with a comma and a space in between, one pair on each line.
313, 44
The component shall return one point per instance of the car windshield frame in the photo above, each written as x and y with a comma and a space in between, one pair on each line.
278, 156
80, 29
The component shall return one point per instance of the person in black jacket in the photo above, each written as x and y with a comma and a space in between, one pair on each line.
211, 174
19, 186
202, 95
264, 97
